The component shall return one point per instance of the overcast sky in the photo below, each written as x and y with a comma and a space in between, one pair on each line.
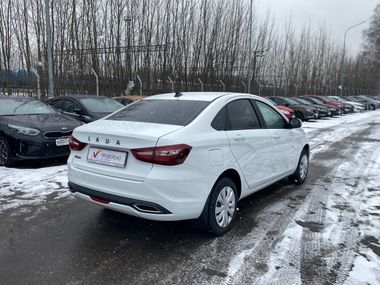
337, 14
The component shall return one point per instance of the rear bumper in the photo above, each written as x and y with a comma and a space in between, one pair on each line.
106, 198
178, 195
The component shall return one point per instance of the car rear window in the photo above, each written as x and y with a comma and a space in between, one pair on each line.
169, 112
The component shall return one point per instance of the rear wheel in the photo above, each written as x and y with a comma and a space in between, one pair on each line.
372, 107
5, 153
222, 206
299, 176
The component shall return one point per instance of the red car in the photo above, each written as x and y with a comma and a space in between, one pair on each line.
288, 112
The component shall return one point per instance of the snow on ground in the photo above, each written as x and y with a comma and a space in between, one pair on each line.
20, 187
355, 191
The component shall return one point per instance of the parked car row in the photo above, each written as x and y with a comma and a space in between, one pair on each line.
31, 129
316, 107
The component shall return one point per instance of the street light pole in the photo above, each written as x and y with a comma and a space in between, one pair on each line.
256, 54
342, 75
50, 49
129, 22
249, 48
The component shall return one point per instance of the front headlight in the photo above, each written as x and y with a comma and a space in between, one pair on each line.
24, 130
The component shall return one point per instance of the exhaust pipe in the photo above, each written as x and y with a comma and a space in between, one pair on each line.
144, 208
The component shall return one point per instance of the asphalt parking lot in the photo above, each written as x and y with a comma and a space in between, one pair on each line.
325, 231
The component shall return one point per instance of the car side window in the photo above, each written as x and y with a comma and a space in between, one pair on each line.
271, 117
237, 115
69, 106
57, 104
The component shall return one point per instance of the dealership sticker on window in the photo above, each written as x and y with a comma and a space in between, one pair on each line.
107, 157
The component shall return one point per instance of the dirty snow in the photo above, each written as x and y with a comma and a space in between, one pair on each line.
19, 187
355, 187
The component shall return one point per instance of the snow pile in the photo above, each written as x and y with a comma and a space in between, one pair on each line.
20, 187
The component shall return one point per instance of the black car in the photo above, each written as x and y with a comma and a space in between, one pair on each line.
322, 110
302, 112
334, 110
30, 129
86, 108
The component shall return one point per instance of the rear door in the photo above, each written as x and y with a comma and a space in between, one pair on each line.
284, 141
250, 144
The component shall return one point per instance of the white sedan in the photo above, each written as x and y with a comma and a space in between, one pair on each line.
186, 156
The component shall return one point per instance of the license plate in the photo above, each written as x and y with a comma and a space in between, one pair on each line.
62, 141
107, 157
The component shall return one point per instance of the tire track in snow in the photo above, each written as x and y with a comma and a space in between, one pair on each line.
340, 133
323, 261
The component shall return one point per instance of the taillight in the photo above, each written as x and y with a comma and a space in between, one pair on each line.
75, 144
165, 155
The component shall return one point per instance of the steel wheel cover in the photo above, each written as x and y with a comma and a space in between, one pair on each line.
225, 207
304, 166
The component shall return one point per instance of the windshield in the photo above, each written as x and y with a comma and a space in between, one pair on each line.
333, 99
170, 112
316, 101
23, 106
101, 105
291, 101
303, 101
360, 99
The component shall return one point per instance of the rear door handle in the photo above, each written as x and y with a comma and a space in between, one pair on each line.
276, 136
239, 138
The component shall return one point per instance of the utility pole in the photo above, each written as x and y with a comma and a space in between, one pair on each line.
256, 54
249, 48
97, 81
342, 68
50, 49
129, 64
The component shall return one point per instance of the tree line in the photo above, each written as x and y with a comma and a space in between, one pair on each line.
186, 42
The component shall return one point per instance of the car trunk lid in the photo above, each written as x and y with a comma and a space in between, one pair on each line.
109, 136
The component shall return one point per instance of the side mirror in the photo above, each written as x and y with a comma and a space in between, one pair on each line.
78, 111
295, 123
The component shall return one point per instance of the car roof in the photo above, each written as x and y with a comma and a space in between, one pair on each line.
199, 96
77, 97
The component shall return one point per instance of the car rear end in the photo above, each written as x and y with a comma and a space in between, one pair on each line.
120, 162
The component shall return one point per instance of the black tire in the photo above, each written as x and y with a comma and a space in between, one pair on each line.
5, 153
224, 184
300, 116
372, 107
299, 176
